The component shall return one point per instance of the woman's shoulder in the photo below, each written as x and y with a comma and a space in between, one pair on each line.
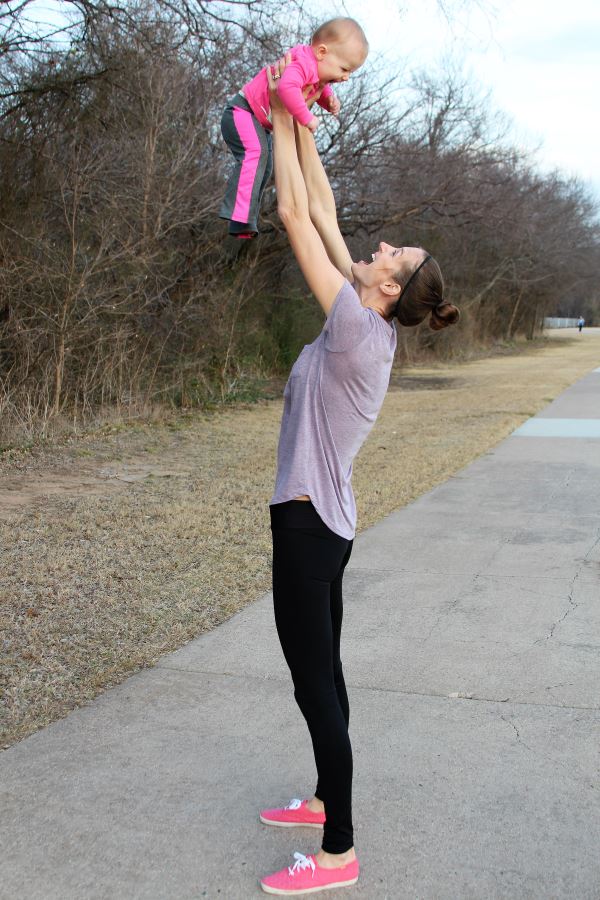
349, 322
348, 289
348, 297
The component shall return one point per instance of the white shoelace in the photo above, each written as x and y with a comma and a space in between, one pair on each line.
302, 862
294, 804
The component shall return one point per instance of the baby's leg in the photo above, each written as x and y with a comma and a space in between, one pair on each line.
268, 171
250, 145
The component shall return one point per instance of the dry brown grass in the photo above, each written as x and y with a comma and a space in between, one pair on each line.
155, 534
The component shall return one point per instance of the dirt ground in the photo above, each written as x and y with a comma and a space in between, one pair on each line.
122, 545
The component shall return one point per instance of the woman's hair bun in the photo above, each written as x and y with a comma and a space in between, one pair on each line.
443, 315
422, 295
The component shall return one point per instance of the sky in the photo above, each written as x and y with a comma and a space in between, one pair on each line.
539, 58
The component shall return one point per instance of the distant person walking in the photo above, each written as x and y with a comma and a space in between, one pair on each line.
331, 401
580, 323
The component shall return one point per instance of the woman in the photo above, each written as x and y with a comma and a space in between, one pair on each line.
332, 399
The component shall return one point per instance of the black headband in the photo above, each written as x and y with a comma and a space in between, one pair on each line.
419, 267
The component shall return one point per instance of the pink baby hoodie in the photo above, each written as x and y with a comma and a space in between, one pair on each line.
301, 72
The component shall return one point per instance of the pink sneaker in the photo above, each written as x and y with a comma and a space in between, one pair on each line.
295, 813
306, 876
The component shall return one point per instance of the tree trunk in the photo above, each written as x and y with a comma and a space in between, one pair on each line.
511, 324
59, 374
532, 321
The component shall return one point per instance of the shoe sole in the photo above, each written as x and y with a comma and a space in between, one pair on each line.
313, 890
290, 824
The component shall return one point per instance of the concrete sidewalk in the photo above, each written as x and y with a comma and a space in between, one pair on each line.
487, 587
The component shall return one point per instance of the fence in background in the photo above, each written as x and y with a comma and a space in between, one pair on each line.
554, 322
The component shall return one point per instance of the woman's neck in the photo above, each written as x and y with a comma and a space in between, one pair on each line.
371, 298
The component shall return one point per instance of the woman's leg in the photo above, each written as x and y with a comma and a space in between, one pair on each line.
306, 562
337, 613
251, 148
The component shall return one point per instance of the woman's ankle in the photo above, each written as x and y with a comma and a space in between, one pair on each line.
332, 860
315, 805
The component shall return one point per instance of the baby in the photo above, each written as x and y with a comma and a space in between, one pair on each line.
337, 49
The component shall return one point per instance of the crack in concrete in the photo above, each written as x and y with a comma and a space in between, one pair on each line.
572, 604
569, 609
378, 688
549, 687
448, 608
582, 777
516, 730
550, 505
499, 575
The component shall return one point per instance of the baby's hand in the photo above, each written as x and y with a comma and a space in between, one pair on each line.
313, 124
334, 105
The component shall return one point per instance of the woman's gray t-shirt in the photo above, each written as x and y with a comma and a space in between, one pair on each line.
331, 401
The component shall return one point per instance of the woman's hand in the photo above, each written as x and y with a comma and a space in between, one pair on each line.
274, 73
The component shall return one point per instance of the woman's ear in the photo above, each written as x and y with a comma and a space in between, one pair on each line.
391, 289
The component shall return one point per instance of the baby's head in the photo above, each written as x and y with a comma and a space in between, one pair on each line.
340, 47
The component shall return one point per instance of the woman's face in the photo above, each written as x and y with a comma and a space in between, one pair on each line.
386, 261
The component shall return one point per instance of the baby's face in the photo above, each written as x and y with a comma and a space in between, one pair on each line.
336, 62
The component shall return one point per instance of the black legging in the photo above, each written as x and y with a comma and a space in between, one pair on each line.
308, 567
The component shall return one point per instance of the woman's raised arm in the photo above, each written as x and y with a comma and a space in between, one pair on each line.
321, 202
322, 277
